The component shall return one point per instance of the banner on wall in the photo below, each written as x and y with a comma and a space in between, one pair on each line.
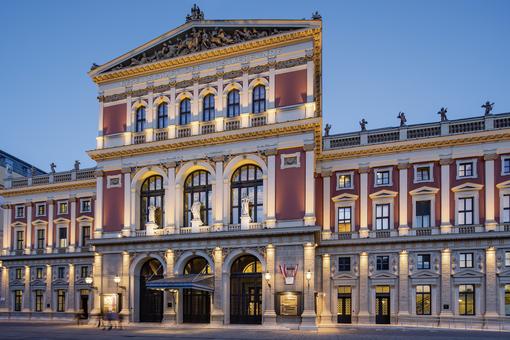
289, 272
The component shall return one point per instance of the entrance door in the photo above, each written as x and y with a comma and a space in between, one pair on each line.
196, 306
151, 301
344, 304
246, 291
382, 304
84, 305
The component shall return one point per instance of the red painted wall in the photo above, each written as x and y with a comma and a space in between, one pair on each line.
480, 179
113, 204
436, 183
290, 88
114, 119
290, 188
498, 178
393, 187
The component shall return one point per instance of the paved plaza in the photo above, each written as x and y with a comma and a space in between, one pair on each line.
53, 330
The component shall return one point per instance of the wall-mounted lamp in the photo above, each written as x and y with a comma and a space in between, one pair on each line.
308, 277
267, 277
117, 279
89, 281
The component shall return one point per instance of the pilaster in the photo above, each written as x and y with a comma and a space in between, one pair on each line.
271, 188
28, 245
26, 292
490, 220
403, 228
217, 315
170, 198
98, 219
51, 211
363, 228
218, 203
445, 195
309, 185
309, 318
49, 289
403, 284
363, 314
169, 314
269, 308
71, 307
326, 203
124, 281
126, 229
72, 225
491, 286
446, 287
97, 271
326, 317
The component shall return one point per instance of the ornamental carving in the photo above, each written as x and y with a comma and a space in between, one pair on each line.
199, 39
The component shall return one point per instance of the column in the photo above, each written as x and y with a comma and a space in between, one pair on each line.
403, 228
6, 229
4, 293
126, 229
169, 315
271, 188
98, 218
220, 99
132, 210
364, 291
490, 220
151, 121
245, 98
28, 245
363, 228
51, 211
218, 202
308, 318
129, 118
26, 292
49, 289
217, 314
403, 284
269, 308
170, 198
71, 294
491, 286
446, 288
326, 289
326, 203
195, 110
97, 270
309, 185
124, 283
72, 225
445, 195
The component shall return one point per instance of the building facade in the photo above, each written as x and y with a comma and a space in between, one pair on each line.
216, 199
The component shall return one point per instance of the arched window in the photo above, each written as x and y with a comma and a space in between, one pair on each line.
233, 104
197, 187
208, 108
197, 265
152, 193
162, 115
246, 264
140, 119
185, 112
247, 182
259, 99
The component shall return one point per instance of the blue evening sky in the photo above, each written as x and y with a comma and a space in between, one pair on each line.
380, 57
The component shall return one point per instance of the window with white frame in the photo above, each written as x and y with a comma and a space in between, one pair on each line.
423, 173
63, 208
344, 219
344, 264
40, 241
40, 209
507, 300
20, 211
85, 206
507, 259
85, 235
506, 208
62, 237
423, 261
423, 217
505, 165
466, 169
383, 262
39, 273
466, 260
423, 300
466, 299
382, 216
344, 181
383, 177
20, 239
465, 214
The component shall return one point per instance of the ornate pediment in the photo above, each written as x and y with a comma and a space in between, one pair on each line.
424, 274
383, 275
344, 198
84, 218
467, 273
467, 187
383, 194
425, 190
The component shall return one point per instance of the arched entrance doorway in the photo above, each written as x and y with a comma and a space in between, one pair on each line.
151, 301
196, 303
246, 291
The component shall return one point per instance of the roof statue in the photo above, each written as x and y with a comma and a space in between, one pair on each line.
402, 117
326, 129
53, 166
363, 124
316, 16
195, 15
442, 113
488, 106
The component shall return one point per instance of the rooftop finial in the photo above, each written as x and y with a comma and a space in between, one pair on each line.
316, 16
195, 15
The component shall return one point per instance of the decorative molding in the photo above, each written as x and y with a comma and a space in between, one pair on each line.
49, 188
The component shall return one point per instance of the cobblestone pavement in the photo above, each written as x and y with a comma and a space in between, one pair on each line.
53, 330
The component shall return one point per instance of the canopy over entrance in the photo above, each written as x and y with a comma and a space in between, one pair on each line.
191, 281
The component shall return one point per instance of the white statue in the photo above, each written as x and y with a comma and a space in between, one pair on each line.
152, 214
245, 206
195, 210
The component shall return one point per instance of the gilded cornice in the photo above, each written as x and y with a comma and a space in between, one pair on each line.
49, 188
210, 55
311, 124
414, 146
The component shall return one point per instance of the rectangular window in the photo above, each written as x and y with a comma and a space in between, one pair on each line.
344, 219
383, 263
507, 300
62, 208
61, 272
507, 259
85, 235
465, 169
20, 211
18, 273
62, 237
466, 260
86, 206
20, 239
18, 300
423, 214
38, 300
506, 208
382, 216
423, 174
423, 261
61, 300
40, 239
40, 209
344, 181
465, 211
84, 272
506, 166
423, 300
38, 273
467, 300
382, 177
344, 264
